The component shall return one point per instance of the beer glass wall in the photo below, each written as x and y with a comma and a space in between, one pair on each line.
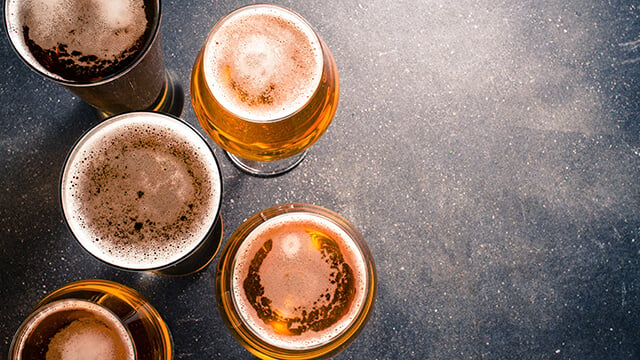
93, 319
265, 88
106, 52
295, 281
142, 191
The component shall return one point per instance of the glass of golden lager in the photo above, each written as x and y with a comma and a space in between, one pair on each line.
142, 191
265, 88
93, 320
108, 52
296, 281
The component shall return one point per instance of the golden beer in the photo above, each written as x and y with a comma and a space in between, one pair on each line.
265, 86
296, 281
93, 319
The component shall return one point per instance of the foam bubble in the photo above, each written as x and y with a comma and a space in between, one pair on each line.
263, 63
308, 271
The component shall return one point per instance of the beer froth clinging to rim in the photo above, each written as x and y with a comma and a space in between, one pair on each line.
80, 41
263, 63
141, 191
299, 281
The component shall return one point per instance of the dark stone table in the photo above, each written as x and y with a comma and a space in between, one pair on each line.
489, 152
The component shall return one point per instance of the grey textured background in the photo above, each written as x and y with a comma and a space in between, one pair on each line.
489, 152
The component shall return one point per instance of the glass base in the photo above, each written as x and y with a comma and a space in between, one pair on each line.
170, 101
267, 168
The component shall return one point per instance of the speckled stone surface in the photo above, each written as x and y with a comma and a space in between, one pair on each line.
489, 152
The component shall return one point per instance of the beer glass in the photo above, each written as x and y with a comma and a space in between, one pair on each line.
295, 281
108, 53
93, 319
265, 88
142, 191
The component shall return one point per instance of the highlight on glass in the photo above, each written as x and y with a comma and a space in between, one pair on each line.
142, 191
108, 53
93, 319
265, 88
296, 281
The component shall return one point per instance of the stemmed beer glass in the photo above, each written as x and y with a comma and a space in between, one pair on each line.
265, 87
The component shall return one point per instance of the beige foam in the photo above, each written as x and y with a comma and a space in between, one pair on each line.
263, 63
85, 339
104, 28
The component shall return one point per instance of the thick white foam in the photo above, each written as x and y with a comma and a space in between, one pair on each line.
94, 333
293, 250
161, 195
262, 62
102, 28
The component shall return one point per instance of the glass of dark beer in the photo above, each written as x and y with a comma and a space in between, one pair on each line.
93, 319
107, 52
296, 281
265, 87
142, 191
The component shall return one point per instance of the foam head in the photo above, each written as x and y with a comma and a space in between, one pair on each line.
262, 62
141, 190
299, 281
76, 329
79, 40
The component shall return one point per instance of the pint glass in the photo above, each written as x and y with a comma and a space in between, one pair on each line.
108, 53
295, 281
93, 319
142, 191
265, 88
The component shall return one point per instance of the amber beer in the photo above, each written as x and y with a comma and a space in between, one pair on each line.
108, 52
142, 191
264, 87
296, 281
93, 320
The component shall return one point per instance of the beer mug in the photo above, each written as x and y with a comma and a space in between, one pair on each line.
295, 281
107, 52
142, 191
93, 319
265, 88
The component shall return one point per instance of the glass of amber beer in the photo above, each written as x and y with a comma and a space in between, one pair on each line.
296, 281
93, 319
107, 52
265, 88
142, 191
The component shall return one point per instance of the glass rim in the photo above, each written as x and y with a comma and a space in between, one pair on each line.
323, 54
28, 325
243, 332
123, 117
34, 65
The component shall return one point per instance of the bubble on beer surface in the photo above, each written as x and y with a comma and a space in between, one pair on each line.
299, 281
263, 63
145, 198
86, 339
80, 40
